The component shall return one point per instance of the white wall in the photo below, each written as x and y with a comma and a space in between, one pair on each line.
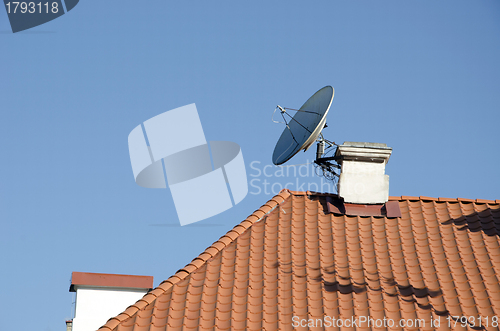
95, 306
364, 182
362, 178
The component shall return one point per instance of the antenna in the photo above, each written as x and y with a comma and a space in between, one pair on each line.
304, 128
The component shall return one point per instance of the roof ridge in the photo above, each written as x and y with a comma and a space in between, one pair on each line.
441, 199
201, 259
404, 197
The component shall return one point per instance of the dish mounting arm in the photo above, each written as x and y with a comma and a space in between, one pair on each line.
325, 163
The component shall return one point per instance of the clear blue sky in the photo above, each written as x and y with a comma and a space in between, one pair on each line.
421, 76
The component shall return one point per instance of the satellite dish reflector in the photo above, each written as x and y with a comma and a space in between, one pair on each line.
303, 129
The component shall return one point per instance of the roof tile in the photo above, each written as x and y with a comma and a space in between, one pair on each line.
239, 229
165, 285
484, 201
111, 324
409, 198
204, 256
190, 268
109, 280
428, 198
466, 200
149, 297
232, 235
157, 292
212, 251
130, 311
440, 258
219, 245
447, 199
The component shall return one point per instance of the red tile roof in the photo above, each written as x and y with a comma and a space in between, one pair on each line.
294, 258
110, 280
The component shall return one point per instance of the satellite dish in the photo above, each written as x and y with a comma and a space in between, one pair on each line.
304, 127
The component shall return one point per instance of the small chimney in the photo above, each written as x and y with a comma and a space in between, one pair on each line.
102, 296
362, 178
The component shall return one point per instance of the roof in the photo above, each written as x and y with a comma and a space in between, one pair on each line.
90, 279
297, 258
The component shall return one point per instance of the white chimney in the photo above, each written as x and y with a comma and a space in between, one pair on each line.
362, 178
102, 296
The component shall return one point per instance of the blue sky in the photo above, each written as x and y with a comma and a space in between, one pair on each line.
420, 76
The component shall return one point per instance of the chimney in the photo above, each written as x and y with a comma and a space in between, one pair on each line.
102, 296
362, 178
